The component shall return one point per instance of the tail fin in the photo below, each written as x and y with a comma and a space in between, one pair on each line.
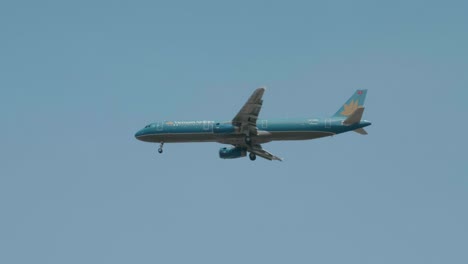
355, 117
353, 103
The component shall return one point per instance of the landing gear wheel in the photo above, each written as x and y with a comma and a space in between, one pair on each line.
252, 156
248, 140
160, 149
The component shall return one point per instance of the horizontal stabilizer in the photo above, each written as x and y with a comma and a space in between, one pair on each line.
360, 131
355, 117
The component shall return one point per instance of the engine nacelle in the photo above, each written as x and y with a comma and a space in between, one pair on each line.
232, 153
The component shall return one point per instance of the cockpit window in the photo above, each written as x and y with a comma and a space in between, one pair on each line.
147, 126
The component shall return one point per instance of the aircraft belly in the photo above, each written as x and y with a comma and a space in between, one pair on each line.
299, 135
239, 139
179, 137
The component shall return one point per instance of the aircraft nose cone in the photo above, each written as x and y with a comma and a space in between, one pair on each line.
138, 134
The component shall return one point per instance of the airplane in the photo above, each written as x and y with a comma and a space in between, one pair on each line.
245, 132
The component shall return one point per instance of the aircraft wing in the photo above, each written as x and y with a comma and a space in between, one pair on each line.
257, 150
246, 119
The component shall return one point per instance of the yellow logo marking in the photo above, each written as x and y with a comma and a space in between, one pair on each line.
349, 109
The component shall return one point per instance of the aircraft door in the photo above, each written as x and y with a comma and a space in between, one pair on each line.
327, 123
206, 125
264, 124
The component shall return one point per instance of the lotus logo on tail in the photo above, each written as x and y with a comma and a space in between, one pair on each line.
350, 108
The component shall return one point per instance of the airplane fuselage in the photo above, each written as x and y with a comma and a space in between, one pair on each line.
227, 133
246, 133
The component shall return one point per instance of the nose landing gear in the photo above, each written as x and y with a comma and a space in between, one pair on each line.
252, 156
160, 149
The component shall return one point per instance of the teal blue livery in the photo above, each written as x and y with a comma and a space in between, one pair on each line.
245, 132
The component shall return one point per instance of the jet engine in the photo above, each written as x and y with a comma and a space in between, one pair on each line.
232, 153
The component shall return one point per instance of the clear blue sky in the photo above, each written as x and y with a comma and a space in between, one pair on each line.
78, 79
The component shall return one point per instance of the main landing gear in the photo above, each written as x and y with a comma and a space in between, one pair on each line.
248, 141
160, 149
